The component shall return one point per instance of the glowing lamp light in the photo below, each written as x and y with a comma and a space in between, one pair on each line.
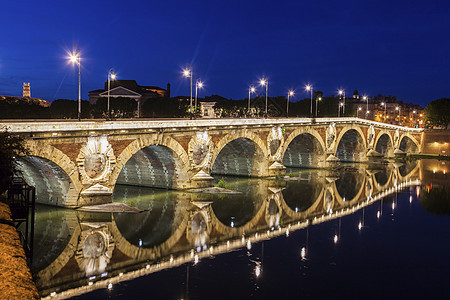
308, 87
359, 226
263, 82
257, 271
252, 89
291, 93
187, 73
303, 253
335, 239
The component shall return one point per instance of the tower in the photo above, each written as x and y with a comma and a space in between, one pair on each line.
26, 90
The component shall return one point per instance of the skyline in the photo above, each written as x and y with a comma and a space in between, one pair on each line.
389, 48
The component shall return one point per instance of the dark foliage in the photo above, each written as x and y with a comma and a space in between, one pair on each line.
437, 113
165, 108
10, 147
120, 107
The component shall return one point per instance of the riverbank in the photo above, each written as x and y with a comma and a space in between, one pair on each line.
15, 276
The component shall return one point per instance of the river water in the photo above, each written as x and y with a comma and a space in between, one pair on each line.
358, 232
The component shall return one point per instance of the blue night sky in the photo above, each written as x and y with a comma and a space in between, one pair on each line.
391, 47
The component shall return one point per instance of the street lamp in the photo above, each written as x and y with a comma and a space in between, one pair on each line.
111, 76
310, 88
339, 108
357, 112
384, 104
290, 93
399, 114
317, 99
188, 73
198, 84
342, 93
264, 82
367, 106
75, 57
251, 90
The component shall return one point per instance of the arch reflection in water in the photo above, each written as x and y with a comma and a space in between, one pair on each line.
178, 227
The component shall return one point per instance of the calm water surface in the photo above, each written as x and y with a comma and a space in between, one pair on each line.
360, 232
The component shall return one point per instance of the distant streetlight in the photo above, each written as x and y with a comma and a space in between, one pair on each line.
399, 114
188, 73
198, 84
384, 104
342, 93
367, 106
75, 57
264, 82
251, 90
317, 99
357, 112
111, 76
310, 88
290, 93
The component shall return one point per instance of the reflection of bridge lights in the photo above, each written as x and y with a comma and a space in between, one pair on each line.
199, 248
104, 274
417, 191
120, 274
232, 224
52, 294
359, 225
228, 244
205, 247
344, 199
92, 278
109, 286
287, 232
296, 209
90, 283
410, 199
249, 245
192, 251
147, 267
257, 271
171, 259
140, 243
393, 205
196, 259
243, 240
303, 253
378, 214
335, 239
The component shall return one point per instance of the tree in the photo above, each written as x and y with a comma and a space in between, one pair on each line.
165, 108
120, 107
10, 147
22, 108
437, 113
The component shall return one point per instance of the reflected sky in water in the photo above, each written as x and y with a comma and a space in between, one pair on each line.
357, 232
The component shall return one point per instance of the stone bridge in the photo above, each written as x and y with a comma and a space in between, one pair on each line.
100, 249
73, 164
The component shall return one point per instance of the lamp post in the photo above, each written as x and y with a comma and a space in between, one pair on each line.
188, 73
75, 57
414, 118
342, 93
317, 99
310, 88
339, 108
384, 104
367, 106
198, 84
290, 93
399, 114
264, 82
357, 112
111, 76
251, 90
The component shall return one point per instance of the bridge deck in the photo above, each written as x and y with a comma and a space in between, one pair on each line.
23, 126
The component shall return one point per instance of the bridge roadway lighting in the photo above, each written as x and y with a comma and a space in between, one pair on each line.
75, 57
188, 73
367, 106
342, 93
290, 93
111, 76
198, 84
310, 88
317, 99
264, 82
251, 90
357, 112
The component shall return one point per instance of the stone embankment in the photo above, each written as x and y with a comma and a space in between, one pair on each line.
15, 276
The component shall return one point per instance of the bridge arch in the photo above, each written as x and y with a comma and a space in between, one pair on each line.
408, 143
242, 154
347, 180
303, 148
154, 161
351, 144
384, 144
54, 175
